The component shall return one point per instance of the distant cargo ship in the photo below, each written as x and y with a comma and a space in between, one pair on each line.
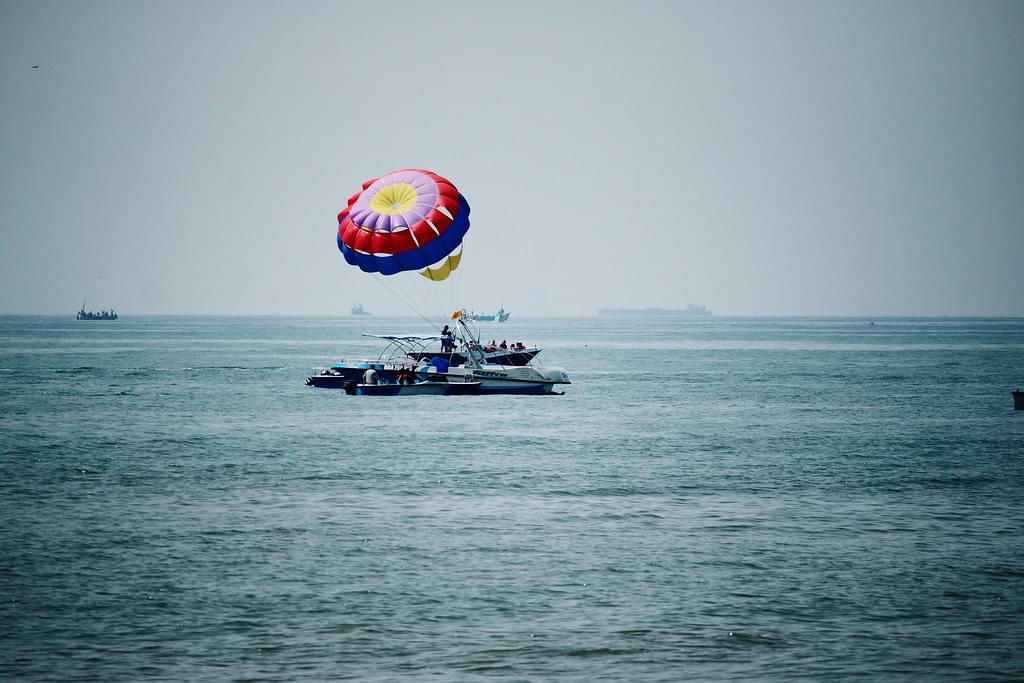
359, 310
690, 311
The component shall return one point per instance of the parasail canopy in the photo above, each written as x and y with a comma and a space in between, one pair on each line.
408, 220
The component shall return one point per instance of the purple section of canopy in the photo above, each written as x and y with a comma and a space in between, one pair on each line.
426, 201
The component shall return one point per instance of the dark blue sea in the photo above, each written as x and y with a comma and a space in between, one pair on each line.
711, 500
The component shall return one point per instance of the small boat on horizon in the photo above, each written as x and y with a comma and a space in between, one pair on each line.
358, 309
93, 315
500, 317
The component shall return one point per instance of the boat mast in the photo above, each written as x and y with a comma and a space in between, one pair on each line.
474, 352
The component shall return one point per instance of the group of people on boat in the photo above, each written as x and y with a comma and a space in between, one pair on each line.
403, 376
448, 343
491, 346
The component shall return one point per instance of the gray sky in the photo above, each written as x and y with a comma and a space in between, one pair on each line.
774, 158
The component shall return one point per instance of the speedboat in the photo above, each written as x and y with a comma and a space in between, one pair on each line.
504, 379
402, 354
494, 378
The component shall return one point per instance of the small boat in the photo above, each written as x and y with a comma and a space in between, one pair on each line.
359, 310
92, 315
505, 379
402, 355
351, 372
1018, 400
501, 316
427, 388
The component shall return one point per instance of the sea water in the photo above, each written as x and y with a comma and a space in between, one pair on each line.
711, 499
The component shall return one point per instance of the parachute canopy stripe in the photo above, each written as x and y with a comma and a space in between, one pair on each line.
405, 220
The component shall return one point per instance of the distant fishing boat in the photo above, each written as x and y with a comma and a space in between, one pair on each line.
93, 315
359, 310
501, 316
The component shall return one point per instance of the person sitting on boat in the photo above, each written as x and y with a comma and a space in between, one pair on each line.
370, 376
503, 345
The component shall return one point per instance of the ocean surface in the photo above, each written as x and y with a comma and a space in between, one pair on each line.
711, 500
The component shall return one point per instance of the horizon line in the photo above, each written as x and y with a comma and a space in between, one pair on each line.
638, 315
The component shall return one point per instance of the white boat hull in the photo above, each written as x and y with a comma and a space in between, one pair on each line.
509, 379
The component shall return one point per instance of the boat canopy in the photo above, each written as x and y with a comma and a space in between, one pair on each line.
408, 339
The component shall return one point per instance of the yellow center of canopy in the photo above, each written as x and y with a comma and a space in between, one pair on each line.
392, 199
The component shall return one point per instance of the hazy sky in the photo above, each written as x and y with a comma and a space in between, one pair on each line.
789, 158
